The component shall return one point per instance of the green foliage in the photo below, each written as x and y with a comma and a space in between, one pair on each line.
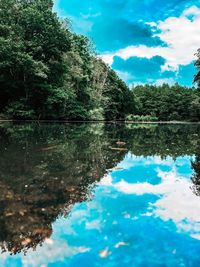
19, 110
167, 103
96, 114
138, 118
47, 72
197, 64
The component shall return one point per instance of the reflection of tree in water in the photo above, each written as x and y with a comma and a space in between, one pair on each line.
45, 169
196, 168
43, 172
163, 140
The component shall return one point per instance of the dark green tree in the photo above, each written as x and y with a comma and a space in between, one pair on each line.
32, 44
166, 102
48, 72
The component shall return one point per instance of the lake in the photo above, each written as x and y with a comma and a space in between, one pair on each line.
99, 195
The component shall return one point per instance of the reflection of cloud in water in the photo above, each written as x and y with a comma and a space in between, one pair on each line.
50, 252
176, 202
93, 225
131, 160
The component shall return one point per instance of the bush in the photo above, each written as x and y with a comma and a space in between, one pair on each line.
137, 118
96, 114
19, 110
175, 116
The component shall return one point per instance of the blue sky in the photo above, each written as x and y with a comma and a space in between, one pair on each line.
145, 41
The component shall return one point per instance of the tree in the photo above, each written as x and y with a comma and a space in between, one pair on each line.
166, 102
197, 64
32, 44
48, 72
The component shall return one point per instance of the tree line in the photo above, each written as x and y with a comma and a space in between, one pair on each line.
166, 103
49, 72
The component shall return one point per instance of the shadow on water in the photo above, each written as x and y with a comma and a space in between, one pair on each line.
45, 169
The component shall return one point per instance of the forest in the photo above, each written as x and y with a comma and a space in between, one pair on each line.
49, 72
166, 103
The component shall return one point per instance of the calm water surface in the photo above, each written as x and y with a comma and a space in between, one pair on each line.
99, 195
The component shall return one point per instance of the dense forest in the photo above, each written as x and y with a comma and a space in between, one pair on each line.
166, 103
49, 72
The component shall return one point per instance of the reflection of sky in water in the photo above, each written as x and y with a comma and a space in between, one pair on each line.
143, 213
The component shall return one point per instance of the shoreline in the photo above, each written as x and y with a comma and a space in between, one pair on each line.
112, 121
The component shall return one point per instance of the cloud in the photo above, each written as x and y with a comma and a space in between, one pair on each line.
111, 25
118, 32
57, 250
172, 186
181, 36
142, 69
136, 64
146, 29
170, 81
138, 70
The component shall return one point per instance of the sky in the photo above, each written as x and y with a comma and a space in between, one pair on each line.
144, 41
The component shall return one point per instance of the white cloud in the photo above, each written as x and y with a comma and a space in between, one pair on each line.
106, 181
181, 34
124, 75
192, 11
177, 201
131, 161
96, 224
169, 81
58, 250
108, 58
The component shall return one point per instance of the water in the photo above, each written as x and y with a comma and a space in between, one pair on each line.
99, 195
